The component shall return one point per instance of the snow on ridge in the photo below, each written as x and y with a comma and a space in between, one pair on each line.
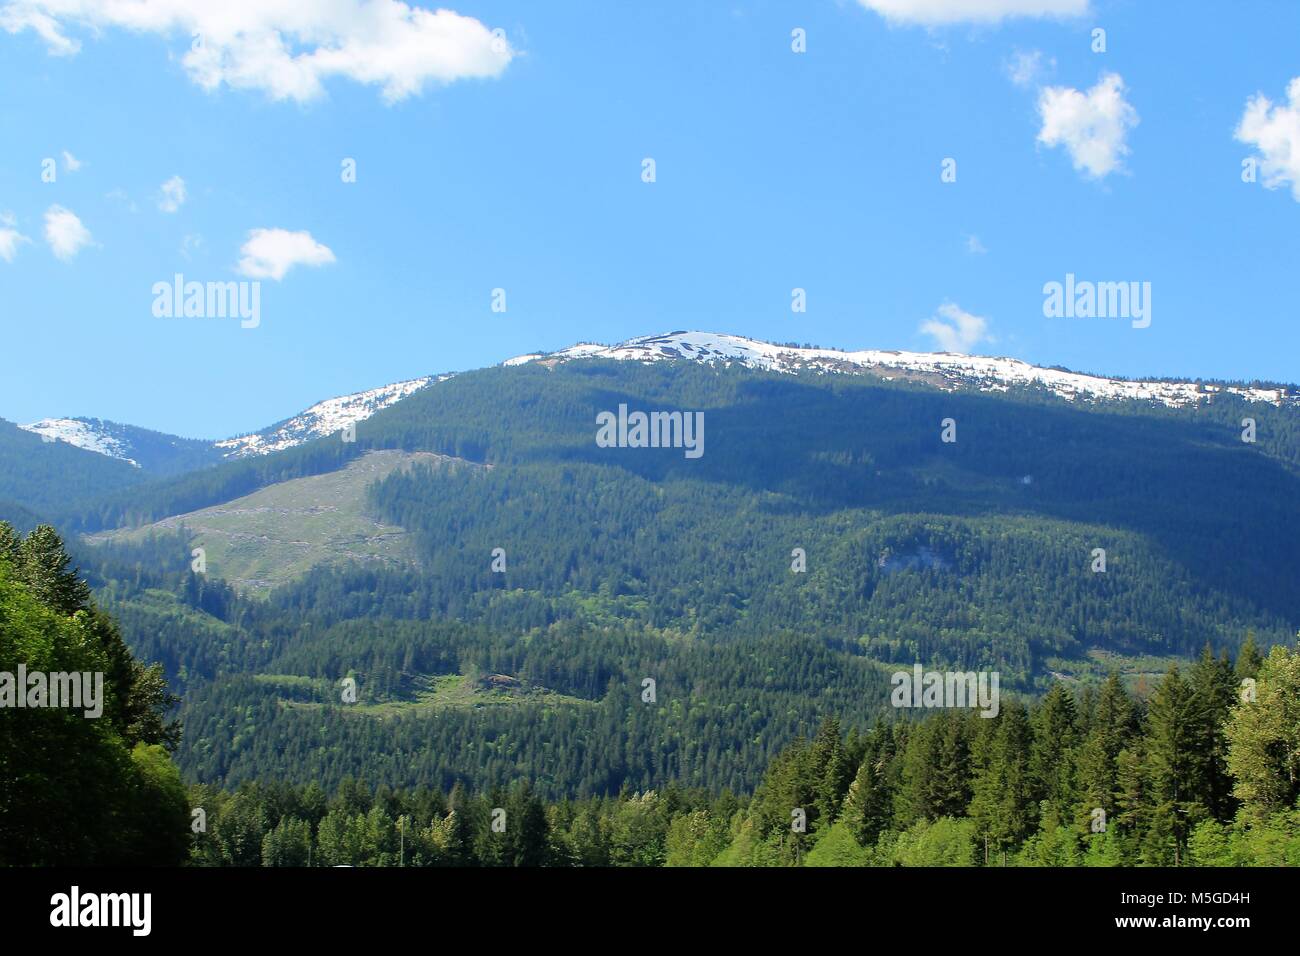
323, 418
82, 433
947, 370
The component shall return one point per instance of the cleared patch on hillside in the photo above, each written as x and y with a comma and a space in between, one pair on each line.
280, 532
430, 694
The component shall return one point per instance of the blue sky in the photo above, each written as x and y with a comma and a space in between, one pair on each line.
515, 162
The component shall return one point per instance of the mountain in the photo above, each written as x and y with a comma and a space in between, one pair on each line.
162, 454
499, 583
324, 418
40, 477
946, 370
280, 532
827, 536
150, 451
34, 484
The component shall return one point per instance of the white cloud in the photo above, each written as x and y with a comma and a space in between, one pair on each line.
1275, 132
173, 195
1091, 125
119, 195
937, 12
955, 330
10, 237
70, 162
16, 17
65, 233
191, 244
270, 253
1025, 69
974, 246
284, 48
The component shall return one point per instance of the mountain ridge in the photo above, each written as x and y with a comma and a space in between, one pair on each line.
120, 441
948, 371
954, 368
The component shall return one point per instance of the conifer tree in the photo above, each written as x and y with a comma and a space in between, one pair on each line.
1248, 658
1264, 739
1051, 760
1214, 689
1097, 763
10, 545
527, 832
43, 565
1001, 805
1177, 765
828, 771
1133, 812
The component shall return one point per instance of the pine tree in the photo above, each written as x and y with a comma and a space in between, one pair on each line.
43, 566
1001, 806
1051, 760
828, 774
868, 807
1097, 762
950, 784
936, 770
1133, 812
1177, 765
1264, 739
10, 545
1248, 658
528, 832
1214, 689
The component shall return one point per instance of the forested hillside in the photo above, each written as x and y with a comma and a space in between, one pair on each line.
1197, 768
1194, 776
826, 536
46, 477
78, 789
621, 638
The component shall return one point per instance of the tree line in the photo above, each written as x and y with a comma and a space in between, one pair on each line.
1203, 772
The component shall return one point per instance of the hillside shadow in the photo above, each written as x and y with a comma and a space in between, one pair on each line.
1221, 509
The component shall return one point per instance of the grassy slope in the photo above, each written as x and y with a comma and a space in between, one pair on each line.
280, 532
433, 693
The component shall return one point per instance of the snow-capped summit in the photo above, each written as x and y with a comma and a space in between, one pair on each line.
162, 454
946, 370
92, 434
323, 418
166, 454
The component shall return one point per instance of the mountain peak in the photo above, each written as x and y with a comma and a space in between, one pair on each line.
92, 434
950, 371
323, 418
163, 453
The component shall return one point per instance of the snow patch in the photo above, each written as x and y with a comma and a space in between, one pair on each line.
324, 418
947, 370
82, 433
